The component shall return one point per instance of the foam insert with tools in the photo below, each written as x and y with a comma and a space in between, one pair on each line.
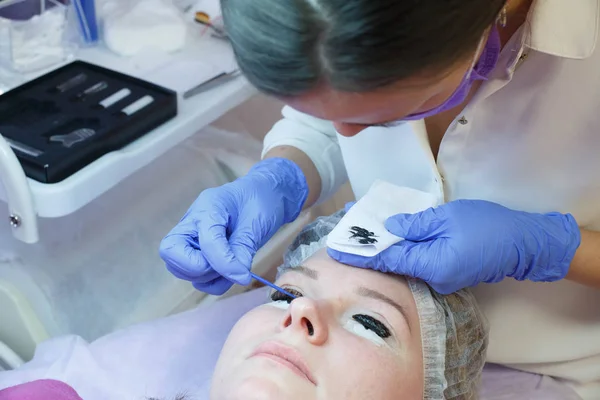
66, 119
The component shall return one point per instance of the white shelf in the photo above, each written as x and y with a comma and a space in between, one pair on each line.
211, 56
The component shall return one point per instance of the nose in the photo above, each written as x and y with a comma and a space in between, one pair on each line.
304, 317
349, 130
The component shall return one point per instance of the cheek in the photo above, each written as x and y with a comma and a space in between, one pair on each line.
233, 367
367, 358
382, 372
252, 329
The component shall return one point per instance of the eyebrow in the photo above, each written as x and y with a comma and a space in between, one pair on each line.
361, 291
373, 294
311, 273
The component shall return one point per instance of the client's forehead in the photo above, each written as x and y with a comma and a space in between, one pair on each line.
322, 268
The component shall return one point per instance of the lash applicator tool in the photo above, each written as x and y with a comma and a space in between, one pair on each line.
272, 285
232, 175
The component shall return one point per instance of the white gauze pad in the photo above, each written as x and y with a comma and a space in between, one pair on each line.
362, 230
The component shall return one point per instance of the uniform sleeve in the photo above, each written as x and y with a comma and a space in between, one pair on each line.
317, 138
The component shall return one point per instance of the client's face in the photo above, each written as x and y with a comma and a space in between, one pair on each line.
350, 334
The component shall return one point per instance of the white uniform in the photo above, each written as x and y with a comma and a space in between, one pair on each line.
530, 140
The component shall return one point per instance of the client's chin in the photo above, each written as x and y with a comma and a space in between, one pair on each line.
263, 379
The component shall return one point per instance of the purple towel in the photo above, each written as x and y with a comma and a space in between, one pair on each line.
40, 390
501, 383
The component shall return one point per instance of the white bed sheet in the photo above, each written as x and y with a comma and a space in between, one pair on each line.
157, 359
175, 355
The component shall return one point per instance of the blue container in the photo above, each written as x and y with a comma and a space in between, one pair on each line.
86, 16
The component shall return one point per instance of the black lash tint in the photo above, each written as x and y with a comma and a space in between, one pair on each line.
372, 324
278, 296
363, 235
366, 321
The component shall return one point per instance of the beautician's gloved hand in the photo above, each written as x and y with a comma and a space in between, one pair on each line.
214, 243
466, 242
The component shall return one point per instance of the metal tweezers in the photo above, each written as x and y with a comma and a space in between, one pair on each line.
212, 83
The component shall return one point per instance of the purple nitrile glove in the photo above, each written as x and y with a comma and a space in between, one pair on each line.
214, 243
465, 242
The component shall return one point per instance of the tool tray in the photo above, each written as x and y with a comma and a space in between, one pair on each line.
64, 120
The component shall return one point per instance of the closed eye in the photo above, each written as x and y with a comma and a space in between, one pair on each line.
278, 296
372, 324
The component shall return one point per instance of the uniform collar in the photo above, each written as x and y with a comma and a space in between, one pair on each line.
564, 28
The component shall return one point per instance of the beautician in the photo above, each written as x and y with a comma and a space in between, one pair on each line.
504, 103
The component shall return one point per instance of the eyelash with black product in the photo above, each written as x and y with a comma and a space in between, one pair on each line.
366, 321
278, 296
372, 324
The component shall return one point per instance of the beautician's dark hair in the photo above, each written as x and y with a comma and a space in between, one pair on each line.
287, 47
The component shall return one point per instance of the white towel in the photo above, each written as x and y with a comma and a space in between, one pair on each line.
362, 230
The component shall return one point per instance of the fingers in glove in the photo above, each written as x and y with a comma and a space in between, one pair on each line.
181, 253
398, 259
426, 225
212, 236
349, 205
216, 287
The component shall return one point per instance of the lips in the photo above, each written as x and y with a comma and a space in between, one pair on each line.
286, 356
